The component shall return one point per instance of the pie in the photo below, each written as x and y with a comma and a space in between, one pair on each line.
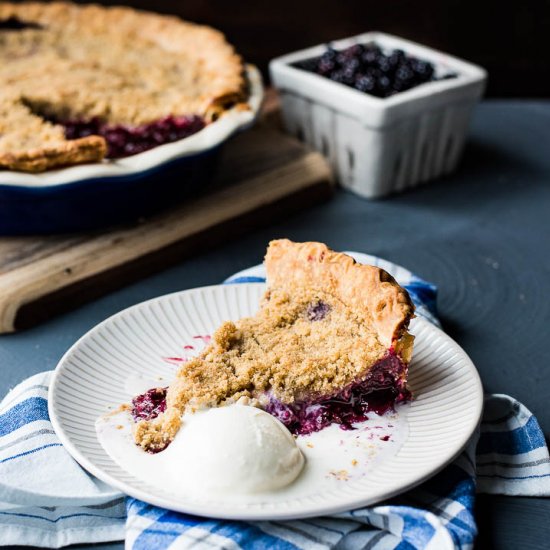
329, 343
84, 83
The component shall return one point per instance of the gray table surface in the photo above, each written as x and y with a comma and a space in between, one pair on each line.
482, 235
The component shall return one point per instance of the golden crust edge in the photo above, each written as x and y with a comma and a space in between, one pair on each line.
364, 288
78, 151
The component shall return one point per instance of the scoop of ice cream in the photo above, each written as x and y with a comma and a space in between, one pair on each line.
237, 448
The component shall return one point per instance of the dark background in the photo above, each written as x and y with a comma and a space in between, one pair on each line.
475, 233
509, 39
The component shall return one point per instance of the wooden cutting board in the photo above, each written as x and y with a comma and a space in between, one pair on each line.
263, 175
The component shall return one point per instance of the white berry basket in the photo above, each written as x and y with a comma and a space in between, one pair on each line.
380, 146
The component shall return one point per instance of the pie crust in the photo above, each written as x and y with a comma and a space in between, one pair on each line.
370, 292
118, 65
325, 324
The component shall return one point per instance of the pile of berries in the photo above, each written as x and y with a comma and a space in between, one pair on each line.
368, 69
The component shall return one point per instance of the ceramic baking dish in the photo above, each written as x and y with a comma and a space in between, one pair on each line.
90, 196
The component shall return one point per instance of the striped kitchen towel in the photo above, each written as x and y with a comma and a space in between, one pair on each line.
47, 500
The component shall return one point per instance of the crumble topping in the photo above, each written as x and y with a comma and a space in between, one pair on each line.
305, 343
64, 62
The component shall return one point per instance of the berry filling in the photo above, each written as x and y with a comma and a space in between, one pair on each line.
317, 311
124, 141
383, 387
368, 69
149, 405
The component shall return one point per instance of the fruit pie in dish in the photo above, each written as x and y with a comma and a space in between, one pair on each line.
85, 83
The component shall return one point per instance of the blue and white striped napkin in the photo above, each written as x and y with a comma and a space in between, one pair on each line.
47, 500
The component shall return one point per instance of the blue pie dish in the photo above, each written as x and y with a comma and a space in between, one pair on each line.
93, 196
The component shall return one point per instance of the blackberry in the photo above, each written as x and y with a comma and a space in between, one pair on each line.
396, 58
383, 85
356, 50
325, 66
342, 77
352, 65
330, 52
348, 75
374, 72
384, 65
404, 73
329, 55
342, 59
348, 54
371, 54
423, 69
337, 76
365, 83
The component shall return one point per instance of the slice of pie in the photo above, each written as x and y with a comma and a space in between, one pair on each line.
328, 344
83, 83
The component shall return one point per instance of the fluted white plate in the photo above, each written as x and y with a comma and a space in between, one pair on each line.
91, 377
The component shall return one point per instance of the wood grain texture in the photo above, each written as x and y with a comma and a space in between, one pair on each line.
263, 175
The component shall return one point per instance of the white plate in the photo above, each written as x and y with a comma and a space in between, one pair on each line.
92, 377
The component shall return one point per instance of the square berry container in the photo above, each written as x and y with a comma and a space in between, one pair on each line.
379, 146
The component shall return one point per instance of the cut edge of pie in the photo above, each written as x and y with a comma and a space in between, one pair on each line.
329, 343
55, 69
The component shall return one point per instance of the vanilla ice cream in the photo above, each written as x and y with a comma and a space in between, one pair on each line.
237, 448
